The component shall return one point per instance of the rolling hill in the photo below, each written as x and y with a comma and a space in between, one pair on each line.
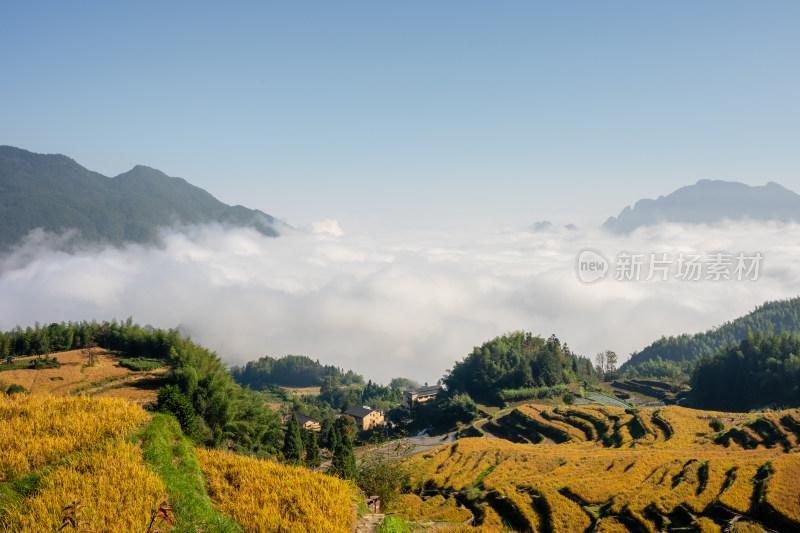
781, 315
55, 193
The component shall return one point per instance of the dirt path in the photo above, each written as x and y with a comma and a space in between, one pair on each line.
369, 523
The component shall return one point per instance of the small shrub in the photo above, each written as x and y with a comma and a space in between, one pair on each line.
172, 400
46, 362
140, 364
716, 424
383, 478
15, 388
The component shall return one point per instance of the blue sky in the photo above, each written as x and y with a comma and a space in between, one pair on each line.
413, 114
412, 124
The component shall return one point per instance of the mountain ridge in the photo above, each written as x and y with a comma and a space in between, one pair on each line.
55, 193
778, 315
708, 202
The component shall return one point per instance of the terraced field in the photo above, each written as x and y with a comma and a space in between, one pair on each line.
611, 469
104, 377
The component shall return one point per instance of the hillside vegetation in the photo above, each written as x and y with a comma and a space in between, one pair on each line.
670, 357
762, 370
517, 361
291, 371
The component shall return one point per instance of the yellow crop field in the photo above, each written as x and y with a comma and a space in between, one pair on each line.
72, 461
437, 509
39, 430
266, 497
647, 470
114, 488
84, 468
781, 492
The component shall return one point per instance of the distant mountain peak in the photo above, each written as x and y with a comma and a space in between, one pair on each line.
145, 169
546, 225
710, 201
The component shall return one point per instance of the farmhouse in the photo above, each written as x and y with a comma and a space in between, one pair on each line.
365, 417
306, 422
419, 395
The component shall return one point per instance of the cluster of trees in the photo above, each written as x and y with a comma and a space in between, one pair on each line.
606, 365
444, 413
781, 315
340, 397
517, 360
375, 475
300, 446
339, 390
291, 371
763, 369
663, 369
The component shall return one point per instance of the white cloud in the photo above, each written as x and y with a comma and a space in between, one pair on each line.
327, 226
396, 305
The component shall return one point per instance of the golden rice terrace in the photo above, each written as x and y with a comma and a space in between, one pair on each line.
582, 469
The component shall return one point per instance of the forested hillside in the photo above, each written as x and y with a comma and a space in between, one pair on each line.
513, 362
55, 193
291, 371
760, 371
669, 356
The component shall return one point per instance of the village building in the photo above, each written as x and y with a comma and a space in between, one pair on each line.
419, 395
306, 422
365, 417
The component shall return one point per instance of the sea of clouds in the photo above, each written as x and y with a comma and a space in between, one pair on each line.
401, 304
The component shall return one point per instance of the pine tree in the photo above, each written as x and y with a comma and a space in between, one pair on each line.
313, 458
334, 438
343, 462
293, 443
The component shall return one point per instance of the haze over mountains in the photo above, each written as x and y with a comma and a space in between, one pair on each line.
390, 303
55, 193
710, 201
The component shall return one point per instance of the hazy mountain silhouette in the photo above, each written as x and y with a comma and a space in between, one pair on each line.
710, 201
55, 193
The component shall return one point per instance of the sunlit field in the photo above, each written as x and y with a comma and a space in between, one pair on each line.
265, 496
616, 470
79, 374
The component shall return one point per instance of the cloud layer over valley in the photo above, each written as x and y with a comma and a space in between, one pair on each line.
393, 305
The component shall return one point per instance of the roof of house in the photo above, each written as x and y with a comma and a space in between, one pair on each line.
432, 389
303, 419
358, 412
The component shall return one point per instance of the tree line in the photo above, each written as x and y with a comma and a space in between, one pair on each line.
291, 371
